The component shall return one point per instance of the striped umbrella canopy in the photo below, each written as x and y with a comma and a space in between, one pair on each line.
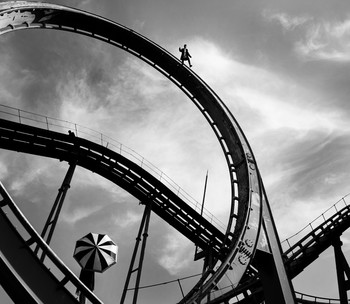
96, 252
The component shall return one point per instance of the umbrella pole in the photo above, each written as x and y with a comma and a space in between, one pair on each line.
88, 278
144, 232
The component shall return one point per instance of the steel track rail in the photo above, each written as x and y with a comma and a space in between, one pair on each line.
246, 200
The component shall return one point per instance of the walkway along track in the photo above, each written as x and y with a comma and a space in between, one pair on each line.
245, 219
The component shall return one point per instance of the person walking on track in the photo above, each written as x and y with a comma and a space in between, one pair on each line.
185, 55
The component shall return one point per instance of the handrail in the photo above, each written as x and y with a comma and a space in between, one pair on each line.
313, 299
59, 125
326, 215
69, 276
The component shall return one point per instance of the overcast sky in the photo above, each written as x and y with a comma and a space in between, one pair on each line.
282, 67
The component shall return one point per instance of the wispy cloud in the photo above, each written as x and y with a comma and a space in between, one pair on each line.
176, 253
78, 214
321, 39
27, 174
326, 40
126, 220
287, 21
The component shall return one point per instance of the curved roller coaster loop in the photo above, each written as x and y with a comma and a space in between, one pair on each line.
248, 243
246, 204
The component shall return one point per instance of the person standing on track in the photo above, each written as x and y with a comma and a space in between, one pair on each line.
185, 55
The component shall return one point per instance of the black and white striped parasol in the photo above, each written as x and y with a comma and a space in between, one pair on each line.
95, 252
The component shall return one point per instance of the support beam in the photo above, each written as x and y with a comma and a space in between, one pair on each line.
276, 284
143, 231
208, 265
343, 271
52, 219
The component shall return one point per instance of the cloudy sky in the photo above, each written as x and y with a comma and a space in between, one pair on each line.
282, 67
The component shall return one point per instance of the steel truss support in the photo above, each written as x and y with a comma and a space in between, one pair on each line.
143, 231
268, 259
52, 219
343, 271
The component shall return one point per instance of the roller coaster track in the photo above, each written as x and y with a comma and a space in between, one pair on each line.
242, 230
250, 216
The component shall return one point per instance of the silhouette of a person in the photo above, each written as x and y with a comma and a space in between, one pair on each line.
185, 55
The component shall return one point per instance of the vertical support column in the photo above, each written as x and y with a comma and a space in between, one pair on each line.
52, 219
143, 230
343, 270
276, 284
208, 264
